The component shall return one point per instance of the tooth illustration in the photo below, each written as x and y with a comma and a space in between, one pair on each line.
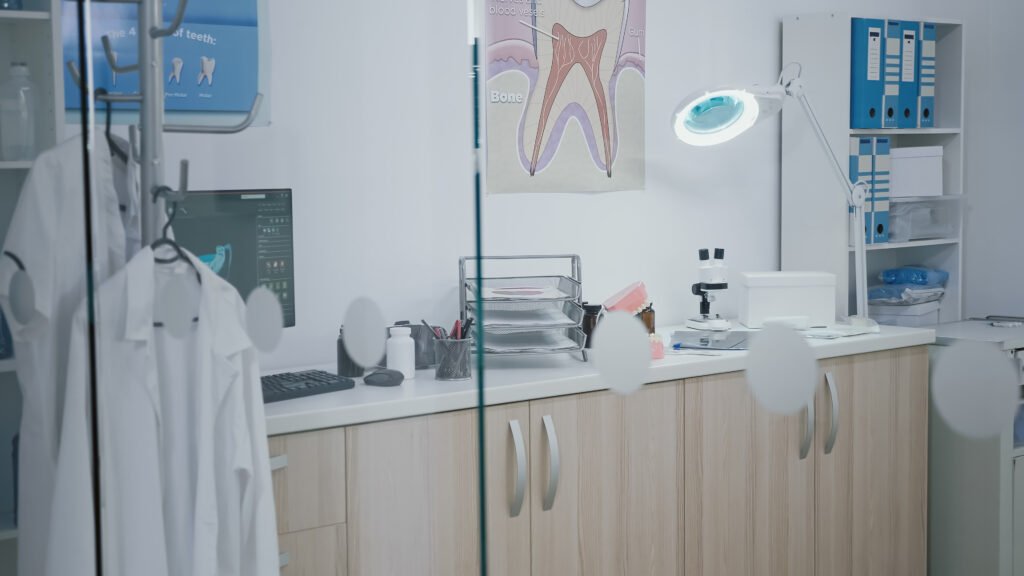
576, 57
176, 65
206, 70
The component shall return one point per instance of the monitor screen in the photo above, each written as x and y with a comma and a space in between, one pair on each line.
245, 236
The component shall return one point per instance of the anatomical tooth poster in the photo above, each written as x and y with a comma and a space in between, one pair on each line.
211, 62
564, 95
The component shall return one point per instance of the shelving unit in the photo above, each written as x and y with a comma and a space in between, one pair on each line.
33, 36
815, 224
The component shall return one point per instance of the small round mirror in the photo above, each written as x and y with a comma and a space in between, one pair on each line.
22, 297
264, 319
174, 307
622, 350
781, 370
364, 335
974, 385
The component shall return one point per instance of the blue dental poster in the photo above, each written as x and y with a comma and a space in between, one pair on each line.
211, 63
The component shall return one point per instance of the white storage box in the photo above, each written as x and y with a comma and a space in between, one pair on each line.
915, 172
924, 218
786, 296
913, 316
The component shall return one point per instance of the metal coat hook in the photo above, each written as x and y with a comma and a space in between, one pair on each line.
171, 195
76, 76
253, 110
133, 144
179, 15
112, 60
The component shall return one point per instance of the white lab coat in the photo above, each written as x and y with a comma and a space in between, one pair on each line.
186, 486
47, 233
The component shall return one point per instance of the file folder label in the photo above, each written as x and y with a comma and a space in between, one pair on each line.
926, 98
880, 176
908, 76
893, 45
867, 73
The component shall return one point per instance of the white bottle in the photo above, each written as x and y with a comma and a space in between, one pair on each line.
402, 352
17, 115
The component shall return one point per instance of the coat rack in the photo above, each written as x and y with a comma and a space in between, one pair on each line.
150, 155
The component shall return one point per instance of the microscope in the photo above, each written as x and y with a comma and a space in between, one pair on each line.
713, 278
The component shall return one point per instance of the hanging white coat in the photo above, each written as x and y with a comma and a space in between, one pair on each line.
185, 470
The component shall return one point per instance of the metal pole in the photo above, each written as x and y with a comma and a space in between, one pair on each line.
151, 116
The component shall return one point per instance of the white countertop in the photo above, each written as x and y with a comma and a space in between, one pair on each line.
982, 331
521, 378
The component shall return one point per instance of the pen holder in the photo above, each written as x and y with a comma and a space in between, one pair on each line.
453, 359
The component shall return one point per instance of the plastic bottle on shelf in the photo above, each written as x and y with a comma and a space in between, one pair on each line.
402, 352
17, 115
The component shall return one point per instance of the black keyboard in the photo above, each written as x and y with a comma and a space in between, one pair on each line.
288, 385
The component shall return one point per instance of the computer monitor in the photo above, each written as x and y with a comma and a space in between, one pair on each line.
245, 236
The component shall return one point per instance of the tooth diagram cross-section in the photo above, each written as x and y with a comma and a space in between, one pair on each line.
568, 51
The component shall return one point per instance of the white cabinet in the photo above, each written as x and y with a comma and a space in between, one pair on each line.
814, 213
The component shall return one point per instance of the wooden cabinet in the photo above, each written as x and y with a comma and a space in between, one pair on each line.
604, 483
689, 477
316, 552
873, 486
855, 505
508, 489
413, 496
749, 496
309, 479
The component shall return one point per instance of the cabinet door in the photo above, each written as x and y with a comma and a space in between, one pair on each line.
317, 552
508, 489
611, 463
749, 497
309, 479
413, 496
872, 486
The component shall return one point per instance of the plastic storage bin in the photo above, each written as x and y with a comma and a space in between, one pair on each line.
924, 218
916, 172
786, 296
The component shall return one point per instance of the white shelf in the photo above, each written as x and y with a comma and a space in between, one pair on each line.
924, 131
912, 244
23, 15
16, 165
8, 531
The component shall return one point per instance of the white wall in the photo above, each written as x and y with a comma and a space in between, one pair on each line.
372, 124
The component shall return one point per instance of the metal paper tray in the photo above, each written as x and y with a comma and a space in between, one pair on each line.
507, 317
540, 342
525, 289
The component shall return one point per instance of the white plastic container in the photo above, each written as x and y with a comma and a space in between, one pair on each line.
17, 115
913, 316
916, 172
925, 218
402, 352
798, 298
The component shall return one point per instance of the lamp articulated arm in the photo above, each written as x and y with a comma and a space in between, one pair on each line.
856, 194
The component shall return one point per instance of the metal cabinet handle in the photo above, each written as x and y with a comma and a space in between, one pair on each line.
520, 448
278, 462
833, 431
283, 560
805, 446
553, 462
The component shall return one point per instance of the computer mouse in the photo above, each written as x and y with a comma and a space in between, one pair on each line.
384, 378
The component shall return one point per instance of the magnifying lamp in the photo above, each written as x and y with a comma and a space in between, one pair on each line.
711, 117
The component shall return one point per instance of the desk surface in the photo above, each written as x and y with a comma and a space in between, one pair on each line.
522, 378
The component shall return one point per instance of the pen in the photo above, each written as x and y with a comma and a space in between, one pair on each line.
465, 329
433, 332
456, 333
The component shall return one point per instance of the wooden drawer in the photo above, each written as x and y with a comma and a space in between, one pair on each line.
309, 479
317, 552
